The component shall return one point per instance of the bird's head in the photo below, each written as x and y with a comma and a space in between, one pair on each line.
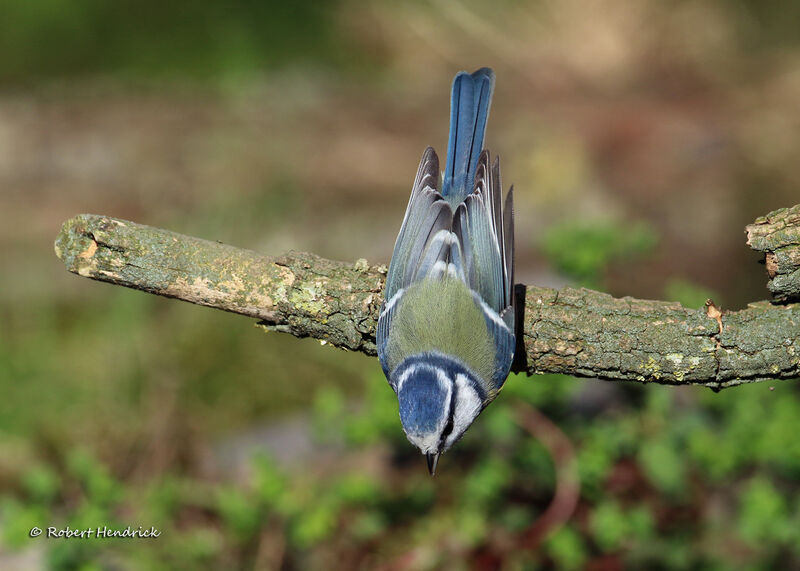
438, 402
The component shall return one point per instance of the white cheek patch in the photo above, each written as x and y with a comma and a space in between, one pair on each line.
467, 406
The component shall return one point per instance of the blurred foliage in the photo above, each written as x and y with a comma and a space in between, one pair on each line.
688, 293
52, 38
655, 486
584, 250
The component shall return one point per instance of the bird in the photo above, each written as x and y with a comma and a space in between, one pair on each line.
445, 334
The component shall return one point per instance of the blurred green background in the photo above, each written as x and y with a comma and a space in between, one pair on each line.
641, 138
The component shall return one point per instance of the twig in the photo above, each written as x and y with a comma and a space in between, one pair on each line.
567, 492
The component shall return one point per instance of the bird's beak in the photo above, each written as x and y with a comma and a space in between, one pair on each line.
433, 460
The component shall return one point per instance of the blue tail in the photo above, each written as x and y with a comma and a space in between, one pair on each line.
469, 110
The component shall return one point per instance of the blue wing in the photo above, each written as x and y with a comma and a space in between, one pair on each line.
425, 246
485, 230
425, 236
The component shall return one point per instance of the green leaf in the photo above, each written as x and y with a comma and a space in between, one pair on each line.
609, 525
239, 512
663, 465
567, 549
313, 525
18, 519
42, 483
763, 513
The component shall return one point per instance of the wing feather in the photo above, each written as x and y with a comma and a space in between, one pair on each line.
427, 213
508, 245
484, 228
424, 240
504, 341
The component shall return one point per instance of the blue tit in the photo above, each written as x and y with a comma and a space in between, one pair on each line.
445, 334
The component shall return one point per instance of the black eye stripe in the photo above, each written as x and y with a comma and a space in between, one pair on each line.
448, 428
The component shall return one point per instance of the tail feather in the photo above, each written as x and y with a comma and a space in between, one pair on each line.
469, 111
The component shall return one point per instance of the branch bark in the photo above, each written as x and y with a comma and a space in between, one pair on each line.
778, 235
577, 332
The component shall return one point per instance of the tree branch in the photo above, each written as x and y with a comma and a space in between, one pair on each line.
778, 235
577, 332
